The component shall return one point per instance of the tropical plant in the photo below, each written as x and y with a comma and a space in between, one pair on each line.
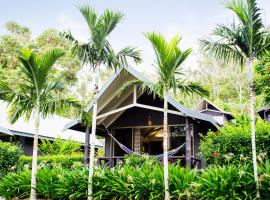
96, 52
36, 94
46, 179
16, 185
51, 161
59, 147
169, 59
9, 157
220, 182
230, 145
242, 44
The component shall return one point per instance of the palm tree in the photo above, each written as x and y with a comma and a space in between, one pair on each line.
35, 94
169, 59
96, 52
243, 44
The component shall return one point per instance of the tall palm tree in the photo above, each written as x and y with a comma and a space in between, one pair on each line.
35, 94
242, 43
169, 60
96, 52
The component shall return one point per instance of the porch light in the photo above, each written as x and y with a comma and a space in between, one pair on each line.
149, 121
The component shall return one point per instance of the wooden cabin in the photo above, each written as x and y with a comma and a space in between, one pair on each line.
135, 119
264, 113
209, 108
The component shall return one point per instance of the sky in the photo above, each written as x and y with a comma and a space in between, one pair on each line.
192, 19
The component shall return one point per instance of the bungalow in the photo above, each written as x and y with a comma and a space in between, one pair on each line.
133, 121
209, 108
264, 113
23, 132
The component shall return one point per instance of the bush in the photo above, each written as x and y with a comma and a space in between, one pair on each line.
59, 147
226, 182
63, 161
9, 156
16, 185
264, 178
232, 143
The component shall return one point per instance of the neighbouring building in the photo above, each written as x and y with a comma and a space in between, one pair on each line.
23, 132
264, 113
209, 108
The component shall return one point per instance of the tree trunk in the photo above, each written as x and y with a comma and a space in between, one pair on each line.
93, 134
86, 147
252, 118
33, 195
165, 147
188, 145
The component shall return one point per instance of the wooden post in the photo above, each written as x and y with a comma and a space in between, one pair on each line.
188, 144
86, 147
137, 140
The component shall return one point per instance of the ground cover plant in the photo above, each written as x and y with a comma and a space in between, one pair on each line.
142, 180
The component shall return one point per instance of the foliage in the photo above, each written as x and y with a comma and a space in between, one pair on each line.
262, 83
16, 185
227, 182
64, 161
59, 147
9, 157
232, 143
98, 50
264, 171
46, 179
144, 182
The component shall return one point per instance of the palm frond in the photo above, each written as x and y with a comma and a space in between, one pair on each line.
149, 87
189, 88
109, 20
222, 51
90, 17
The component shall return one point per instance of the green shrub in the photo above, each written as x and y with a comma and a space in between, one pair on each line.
264, 178
72, 184
46, 182
59, 147
180, 181
232, 143
16, 185
63, 161
231, 182
9, 156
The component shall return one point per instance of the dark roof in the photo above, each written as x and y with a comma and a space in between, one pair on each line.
186, 112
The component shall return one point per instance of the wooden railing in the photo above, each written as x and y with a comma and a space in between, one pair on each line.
181, 160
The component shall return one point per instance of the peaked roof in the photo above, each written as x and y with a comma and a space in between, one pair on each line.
108, 89
262, 110
203, 105
50, 128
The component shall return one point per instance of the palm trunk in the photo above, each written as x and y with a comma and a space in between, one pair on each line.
165, 147
188, 145
93, 134
252, 118
33, 195
86, 147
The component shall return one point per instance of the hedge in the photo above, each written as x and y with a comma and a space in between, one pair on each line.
63, 161
9, 156
232, 143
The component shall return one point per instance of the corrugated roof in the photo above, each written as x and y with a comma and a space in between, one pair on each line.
50, 128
